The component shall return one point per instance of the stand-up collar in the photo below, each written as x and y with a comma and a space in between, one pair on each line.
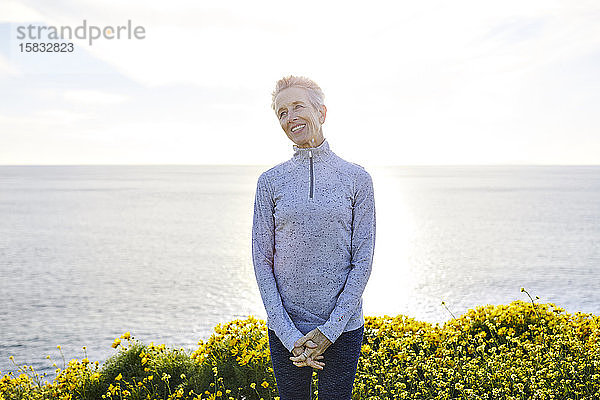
320, 151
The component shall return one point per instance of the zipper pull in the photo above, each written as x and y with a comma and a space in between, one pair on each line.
310, 155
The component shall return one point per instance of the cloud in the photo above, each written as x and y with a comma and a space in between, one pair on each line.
6, 68
16, 12
93, 97
434, 80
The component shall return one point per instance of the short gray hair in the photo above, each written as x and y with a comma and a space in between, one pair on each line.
315, 94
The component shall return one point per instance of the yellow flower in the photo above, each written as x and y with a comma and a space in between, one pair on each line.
126, 335
118, 377
253, 385
265, 384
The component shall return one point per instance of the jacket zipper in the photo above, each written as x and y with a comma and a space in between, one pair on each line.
311, 173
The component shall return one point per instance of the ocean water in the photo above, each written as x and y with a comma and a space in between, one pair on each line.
90, 252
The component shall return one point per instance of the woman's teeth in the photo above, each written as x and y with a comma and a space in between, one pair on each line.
297, 128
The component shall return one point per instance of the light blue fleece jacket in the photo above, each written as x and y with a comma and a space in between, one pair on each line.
313, 239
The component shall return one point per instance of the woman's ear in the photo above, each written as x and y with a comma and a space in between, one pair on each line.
322, 114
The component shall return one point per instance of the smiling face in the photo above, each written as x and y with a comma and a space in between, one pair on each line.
298, 118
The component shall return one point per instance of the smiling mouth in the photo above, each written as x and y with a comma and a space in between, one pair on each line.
297, 128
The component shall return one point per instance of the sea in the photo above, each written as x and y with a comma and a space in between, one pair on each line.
88, 253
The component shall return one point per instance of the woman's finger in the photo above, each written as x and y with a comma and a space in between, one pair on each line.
316, 364
302, 357
310, 363
300, 364
308, 359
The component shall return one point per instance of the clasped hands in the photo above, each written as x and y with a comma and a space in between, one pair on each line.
309, 348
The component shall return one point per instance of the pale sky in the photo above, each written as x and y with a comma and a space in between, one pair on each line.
406, 83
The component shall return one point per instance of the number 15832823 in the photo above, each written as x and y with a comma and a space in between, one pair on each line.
46, 47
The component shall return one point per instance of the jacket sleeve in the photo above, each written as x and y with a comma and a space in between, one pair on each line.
263, 250
362, 247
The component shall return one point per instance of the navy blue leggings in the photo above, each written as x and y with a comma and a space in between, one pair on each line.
335, 380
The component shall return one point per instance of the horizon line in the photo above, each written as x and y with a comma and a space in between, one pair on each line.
262, 165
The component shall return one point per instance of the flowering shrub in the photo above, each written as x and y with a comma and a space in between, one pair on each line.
521, 350
515, 351
238, 358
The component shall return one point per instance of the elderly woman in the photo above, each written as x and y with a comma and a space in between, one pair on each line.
313, 238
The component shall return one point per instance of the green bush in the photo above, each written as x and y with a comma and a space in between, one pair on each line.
521, 350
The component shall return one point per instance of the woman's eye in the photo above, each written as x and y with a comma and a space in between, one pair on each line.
282, 114
298, 106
